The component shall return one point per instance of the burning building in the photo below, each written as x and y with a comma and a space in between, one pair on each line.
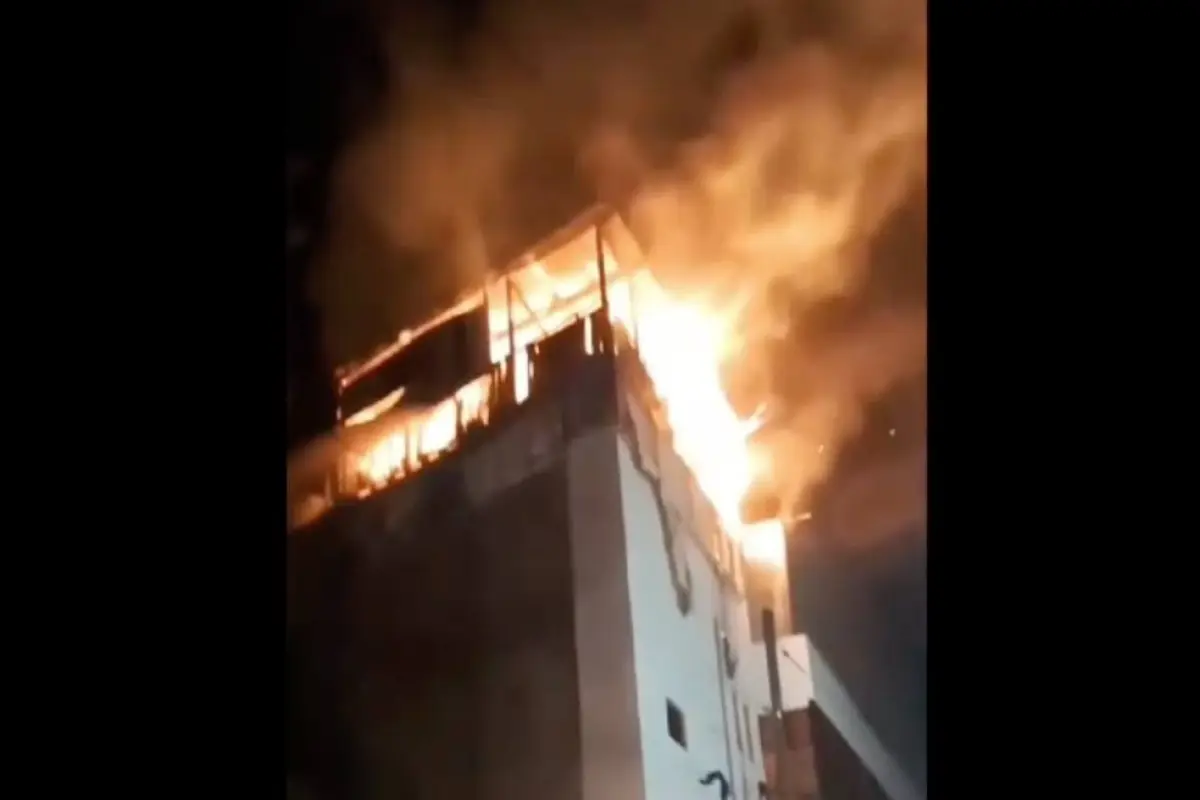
520, 567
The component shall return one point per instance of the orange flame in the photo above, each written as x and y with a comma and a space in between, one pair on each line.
420, 438
679, 345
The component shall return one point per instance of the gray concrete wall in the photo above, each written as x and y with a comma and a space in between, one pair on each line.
440, 642
859, 589
613, 763
840, 772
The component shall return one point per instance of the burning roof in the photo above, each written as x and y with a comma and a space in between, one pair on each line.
561, 247
556, 283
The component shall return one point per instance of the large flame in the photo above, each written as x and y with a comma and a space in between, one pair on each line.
679, 344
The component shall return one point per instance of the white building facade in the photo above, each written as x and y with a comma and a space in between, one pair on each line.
664, 628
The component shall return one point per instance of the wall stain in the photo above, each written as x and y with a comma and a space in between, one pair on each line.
681, 583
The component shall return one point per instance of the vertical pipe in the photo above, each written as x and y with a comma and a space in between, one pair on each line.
407, 458
771, 645
719, 640
603, 275
512, 339
631, 281
783, 740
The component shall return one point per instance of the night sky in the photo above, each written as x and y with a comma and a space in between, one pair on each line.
335, 76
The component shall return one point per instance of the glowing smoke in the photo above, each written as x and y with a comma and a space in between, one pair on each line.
794, 132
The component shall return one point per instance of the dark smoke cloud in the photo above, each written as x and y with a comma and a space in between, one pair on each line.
772, 156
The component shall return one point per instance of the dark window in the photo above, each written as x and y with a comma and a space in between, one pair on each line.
675, 726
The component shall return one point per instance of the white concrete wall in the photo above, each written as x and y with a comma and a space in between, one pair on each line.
610, 740
677, 656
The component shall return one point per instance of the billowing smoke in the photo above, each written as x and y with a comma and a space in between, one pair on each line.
770, 154
782, 221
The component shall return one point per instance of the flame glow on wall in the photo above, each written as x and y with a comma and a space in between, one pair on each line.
677, 343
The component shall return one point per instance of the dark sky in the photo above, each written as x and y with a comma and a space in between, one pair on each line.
336, 79
333, 73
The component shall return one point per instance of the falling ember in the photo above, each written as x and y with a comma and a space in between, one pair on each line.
679, 346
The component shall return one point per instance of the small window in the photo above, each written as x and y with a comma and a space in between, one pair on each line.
675, 725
